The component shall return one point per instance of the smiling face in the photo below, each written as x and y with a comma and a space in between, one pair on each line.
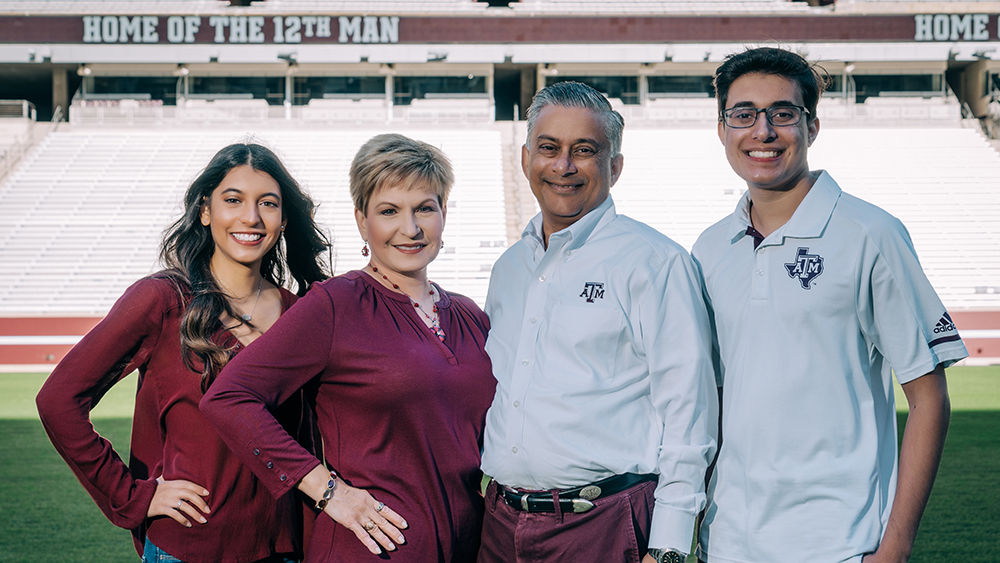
403, 227
568, 163
768, 157
245, 217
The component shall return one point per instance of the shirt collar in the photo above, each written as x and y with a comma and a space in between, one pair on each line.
575, 235
809, 219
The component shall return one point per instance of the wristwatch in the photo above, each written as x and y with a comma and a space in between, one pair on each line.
665, 556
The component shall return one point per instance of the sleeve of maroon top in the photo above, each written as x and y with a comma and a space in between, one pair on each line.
119, 344
241, 401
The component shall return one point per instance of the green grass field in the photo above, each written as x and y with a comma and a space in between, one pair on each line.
45, 515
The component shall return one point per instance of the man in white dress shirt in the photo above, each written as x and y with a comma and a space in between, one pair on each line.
817, 298
605, 415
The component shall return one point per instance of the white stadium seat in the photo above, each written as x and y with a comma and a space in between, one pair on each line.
85, 211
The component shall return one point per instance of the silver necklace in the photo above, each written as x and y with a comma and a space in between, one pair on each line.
435, 321
250, 316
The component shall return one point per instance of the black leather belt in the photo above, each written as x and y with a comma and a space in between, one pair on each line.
577, 499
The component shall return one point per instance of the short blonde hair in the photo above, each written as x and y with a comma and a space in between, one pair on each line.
395, 160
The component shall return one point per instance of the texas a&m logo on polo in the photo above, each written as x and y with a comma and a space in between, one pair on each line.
805, 268
593, 290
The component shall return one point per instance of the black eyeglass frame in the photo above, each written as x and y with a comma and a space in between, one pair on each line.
766, 111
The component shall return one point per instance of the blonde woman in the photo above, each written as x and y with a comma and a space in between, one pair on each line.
398, 375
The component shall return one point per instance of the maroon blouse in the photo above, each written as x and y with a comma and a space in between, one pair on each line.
170, 436
400, 413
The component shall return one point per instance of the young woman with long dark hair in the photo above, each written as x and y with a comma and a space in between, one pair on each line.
247, 227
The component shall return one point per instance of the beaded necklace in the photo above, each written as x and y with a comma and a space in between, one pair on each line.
435, 320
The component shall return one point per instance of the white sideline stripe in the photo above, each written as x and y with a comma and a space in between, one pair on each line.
980, 333
22, 340
26, 340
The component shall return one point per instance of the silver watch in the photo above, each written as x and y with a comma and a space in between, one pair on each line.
666, 556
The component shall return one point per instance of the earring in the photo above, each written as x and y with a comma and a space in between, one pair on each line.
364, 249
442, 243
282, 227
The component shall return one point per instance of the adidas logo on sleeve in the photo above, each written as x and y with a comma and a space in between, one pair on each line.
945, 331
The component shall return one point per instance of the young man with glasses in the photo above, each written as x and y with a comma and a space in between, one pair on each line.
816, 297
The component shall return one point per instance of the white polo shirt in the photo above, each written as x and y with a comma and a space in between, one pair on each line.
810, 327
601, 348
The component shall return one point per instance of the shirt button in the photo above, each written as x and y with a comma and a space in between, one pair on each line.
533, 320
514, 449
524, 362
256, 451
541, 278
760, 273
270, 465
569, 252
517, 404
283, 477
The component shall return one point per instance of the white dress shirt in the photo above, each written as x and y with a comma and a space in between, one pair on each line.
811, 326
601, 349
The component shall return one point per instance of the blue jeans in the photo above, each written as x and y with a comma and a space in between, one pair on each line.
153, 554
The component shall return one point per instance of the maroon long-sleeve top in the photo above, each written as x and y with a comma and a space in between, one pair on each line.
401, 414
170, 436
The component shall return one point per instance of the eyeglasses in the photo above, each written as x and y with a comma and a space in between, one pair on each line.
778, 116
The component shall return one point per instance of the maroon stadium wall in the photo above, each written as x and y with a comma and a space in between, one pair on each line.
330, 29
74, 327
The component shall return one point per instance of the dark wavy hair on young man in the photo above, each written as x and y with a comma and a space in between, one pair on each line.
187, 249
810, 77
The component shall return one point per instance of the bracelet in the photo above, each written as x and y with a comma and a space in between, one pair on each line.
331, 486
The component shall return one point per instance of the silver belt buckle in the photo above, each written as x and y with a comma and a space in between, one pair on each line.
590, 492
524, 503
582, 505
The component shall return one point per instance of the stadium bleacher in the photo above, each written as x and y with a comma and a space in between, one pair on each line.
90, 6
85, 208
85, 211
941, 182
657, 6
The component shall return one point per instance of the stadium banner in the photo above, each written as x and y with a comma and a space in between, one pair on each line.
343, 29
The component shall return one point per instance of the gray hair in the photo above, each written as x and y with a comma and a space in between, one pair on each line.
578, 95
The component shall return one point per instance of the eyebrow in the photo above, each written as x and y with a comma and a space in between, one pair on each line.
424, 202
751, 105
239, 191
594, 142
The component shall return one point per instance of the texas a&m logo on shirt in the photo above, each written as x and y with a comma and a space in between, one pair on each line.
806, 267
593, 290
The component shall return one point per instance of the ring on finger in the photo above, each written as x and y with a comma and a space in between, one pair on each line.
369, 526
380, 506
180, 503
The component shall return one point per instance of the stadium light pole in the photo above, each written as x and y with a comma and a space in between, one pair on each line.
290, 70
850, 89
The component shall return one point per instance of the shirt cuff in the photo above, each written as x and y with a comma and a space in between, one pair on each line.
684, 552
670, 528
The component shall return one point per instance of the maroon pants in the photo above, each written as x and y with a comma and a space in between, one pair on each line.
615, 530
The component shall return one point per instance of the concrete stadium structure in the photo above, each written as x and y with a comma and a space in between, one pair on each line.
116, 105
